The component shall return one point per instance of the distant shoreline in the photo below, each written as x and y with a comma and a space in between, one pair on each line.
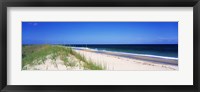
145, 57
117, 61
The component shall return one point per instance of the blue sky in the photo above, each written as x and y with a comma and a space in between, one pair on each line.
99, 32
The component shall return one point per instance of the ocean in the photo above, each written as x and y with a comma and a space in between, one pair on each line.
163, 50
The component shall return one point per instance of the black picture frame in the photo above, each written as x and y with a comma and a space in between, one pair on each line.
98, 3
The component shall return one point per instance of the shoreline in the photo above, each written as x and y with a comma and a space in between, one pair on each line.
116, 61
145, 57
84, 48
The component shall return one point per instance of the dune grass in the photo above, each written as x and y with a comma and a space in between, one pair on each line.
36, 54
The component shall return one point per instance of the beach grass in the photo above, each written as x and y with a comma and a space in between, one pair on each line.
37, 54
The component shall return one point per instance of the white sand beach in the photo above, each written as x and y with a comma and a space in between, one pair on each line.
91, 59
113, 62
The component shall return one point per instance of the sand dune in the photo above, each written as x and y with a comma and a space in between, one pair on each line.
57, 64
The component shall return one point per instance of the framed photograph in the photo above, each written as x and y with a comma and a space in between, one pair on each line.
90, 45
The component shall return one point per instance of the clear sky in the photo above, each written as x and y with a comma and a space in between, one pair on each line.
99, 32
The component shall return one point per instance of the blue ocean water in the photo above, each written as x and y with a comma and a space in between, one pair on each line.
165, 50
